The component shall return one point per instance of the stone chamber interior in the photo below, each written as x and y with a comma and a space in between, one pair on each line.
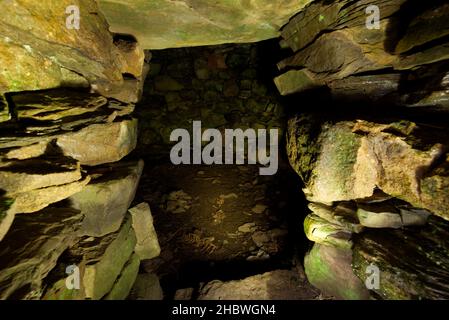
93, 207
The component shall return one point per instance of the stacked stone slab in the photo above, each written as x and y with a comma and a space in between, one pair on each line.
61, 178
378, 200
108, 265
66, 193
376, 182
336, 46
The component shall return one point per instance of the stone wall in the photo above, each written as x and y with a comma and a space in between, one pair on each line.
375, 170
65, 185
221, 86
65, 194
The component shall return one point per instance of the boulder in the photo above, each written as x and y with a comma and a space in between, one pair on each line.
105, 201
147, 246
31, 249
346, 160
274, 285
329, 269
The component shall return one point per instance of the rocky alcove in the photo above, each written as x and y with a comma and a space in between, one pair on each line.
95, 96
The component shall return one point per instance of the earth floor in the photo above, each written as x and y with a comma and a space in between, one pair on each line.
223, 222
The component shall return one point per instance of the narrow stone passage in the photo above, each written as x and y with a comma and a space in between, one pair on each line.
223, 223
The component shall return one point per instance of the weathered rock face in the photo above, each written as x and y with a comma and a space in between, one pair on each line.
164, 24
47, 154
376, 185
366, 179
400, 60
412, 262
105, 201
50, 143
351, 159
54, 135
39, 50
31, 249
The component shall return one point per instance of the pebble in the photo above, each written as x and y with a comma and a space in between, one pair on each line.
259, 208
247, 227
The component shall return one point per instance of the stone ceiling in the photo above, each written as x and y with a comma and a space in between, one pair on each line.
160, 24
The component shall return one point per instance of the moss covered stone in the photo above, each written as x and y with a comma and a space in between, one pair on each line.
322, 231
329, 269
125, 281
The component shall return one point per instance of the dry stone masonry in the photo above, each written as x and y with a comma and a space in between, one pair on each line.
361, 103
376, 178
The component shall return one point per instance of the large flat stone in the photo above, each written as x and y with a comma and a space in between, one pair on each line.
55, 105
124, 283
27, 175
164, 24
105, 201
274, 285
147, 246
352, 159
100, 143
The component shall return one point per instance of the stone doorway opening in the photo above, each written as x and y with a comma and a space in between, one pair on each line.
220, 223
